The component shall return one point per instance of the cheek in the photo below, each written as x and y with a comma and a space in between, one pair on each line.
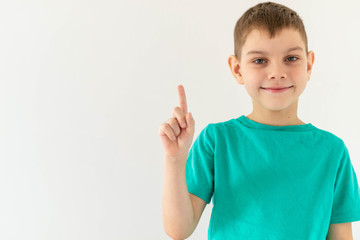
300, 70
298, 75
254, 74
253, 85
253, 80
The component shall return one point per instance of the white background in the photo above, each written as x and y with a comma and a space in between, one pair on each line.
85, 85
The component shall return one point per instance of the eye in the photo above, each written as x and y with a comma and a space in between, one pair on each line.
259, 61
292, 58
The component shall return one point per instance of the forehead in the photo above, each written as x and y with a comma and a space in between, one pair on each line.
259, 39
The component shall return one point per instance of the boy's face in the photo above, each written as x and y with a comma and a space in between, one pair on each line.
273, 63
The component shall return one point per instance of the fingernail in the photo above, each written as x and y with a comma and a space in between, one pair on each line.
183, 125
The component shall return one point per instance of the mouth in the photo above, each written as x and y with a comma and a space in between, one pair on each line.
276, 90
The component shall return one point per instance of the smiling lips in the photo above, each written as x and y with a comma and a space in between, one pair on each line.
277, 89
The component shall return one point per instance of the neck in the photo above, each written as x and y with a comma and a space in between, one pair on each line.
276, 120
283, 117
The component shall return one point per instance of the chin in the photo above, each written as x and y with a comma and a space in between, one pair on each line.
279, 107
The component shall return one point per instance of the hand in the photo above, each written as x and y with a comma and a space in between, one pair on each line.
177, 133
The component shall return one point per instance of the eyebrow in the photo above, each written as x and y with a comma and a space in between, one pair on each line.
263, 52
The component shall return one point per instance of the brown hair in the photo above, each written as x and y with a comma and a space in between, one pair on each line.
269, 16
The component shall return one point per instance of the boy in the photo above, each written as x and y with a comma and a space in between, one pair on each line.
271, 176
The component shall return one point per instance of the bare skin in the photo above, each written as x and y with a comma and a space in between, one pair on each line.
181, 210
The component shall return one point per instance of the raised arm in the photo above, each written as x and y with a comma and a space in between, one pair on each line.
181, 210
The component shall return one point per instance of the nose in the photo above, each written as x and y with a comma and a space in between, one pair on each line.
277, 71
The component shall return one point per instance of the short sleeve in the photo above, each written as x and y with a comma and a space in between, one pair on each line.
200, 165
346, 202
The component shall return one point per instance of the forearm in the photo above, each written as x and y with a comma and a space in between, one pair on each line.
340, 231
177, 209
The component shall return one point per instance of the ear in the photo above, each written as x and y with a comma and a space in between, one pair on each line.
234, 65
310, 62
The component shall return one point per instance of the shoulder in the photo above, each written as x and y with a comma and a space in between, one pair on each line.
220, 130
216, 130
327, 135
331, 139
220, 126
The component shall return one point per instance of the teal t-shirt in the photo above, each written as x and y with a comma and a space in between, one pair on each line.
272, 182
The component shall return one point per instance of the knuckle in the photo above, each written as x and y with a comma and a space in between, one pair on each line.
162, 126
163, 130
168, 131
173, 124
177, 110
172, 121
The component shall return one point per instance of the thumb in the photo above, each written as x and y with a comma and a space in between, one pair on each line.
190, 122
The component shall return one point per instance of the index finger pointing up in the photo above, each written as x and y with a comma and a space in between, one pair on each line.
182, 98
